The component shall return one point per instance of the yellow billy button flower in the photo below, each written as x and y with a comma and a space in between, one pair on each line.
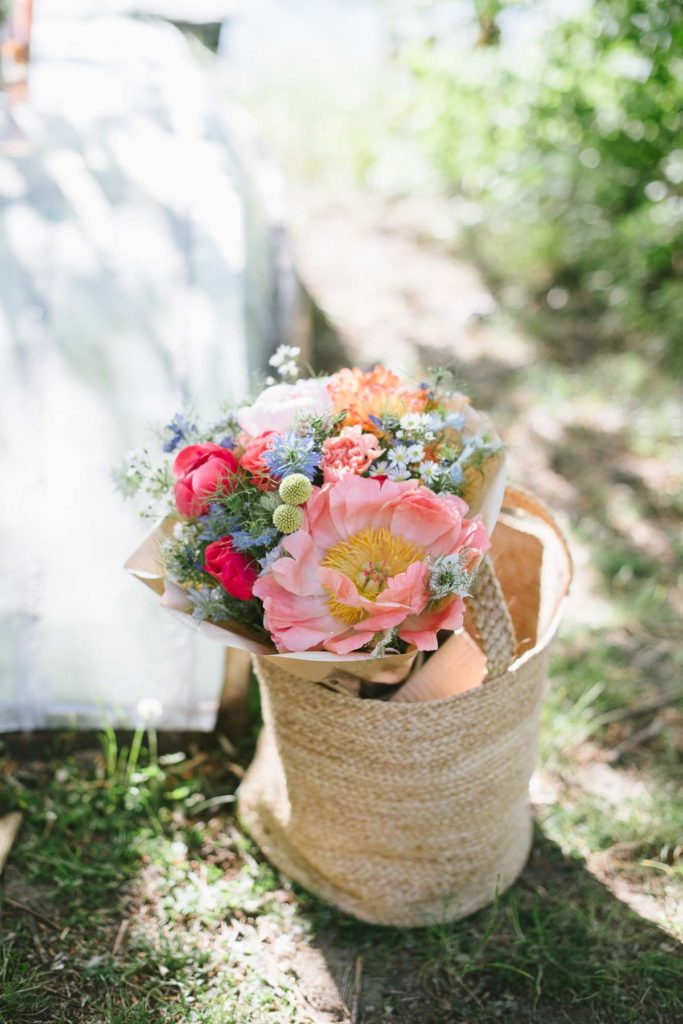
288, 518
295, 489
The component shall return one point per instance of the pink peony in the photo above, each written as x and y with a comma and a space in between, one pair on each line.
278, 407
201, 470
359, 565
351, 452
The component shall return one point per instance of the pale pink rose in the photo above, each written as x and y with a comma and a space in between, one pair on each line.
359, 565
278, 407
352, 451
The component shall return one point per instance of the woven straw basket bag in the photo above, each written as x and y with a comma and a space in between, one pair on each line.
414, 813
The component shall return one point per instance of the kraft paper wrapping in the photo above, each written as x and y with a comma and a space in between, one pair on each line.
314, 665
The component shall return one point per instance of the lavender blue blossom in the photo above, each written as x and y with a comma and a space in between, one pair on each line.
455, 420
455, 473
175, 432
242, 540
271, 557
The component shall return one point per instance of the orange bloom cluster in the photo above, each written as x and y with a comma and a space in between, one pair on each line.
377, 393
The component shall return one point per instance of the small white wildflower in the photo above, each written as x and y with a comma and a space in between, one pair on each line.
415, 453
179, 531
380, 468
149, 709
398, 456
429, 471
413, 422
398, 473
284, 355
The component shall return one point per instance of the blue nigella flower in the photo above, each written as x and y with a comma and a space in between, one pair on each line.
271, 557
242, 539
227, 442
216, 524
455, 420
455, 473
175, 432
292, 453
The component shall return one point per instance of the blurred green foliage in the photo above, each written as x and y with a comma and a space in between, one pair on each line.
567, 152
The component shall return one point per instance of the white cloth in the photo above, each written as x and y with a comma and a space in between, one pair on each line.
122, 292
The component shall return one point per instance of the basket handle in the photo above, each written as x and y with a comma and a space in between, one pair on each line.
488, 606
492, 619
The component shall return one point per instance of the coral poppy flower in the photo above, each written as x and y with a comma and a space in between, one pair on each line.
378, 393
360, 566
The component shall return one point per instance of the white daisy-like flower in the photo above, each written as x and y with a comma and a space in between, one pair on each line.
399, 456
429, 471
415, 453
379, 468
398, 473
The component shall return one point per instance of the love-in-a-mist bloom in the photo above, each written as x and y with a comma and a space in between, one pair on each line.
360, 566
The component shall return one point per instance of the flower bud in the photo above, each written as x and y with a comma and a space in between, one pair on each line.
295, 489
288, 518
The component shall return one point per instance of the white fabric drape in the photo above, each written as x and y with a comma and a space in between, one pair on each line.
122, 292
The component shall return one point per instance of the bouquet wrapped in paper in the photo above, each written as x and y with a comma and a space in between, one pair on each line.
337, 522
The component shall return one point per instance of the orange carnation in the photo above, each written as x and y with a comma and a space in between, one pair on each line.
377, 393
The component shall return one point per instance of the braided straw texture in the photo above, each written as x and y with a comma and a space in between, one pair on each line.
401, 814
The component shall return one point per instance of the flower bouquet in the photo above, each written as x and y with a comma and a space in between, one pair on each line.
340, 529
339, 517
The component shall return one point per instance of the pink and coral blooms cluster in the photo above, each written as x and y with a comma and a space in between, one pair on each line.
351, 452
350, 559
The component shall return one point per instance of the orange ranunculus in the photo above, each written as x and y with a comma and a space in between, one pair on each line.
377, 393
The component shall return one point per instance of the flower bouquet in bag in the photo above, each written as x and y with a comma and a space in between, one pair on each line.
342, 530
337, 522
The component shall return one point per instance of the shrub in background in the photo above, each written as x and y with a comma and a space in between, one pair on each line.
566, 149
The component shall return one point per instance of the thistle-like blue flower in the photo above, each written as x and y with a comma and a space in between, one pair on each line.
242, 539
292, 453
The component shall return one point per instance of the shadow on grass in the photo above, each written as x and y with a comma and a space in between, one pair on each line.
558, 946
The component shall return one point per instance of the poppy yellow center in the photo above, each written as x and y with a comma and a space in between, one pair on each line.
369, 559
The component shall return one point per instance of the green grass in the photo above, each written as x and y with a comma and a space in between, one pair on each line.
116, 836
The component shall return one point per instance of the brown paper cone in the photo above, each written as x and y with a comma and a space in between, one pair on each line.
457, 666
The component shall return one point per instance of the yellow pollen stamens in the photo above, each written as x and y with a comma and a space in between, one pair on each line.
369, 559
